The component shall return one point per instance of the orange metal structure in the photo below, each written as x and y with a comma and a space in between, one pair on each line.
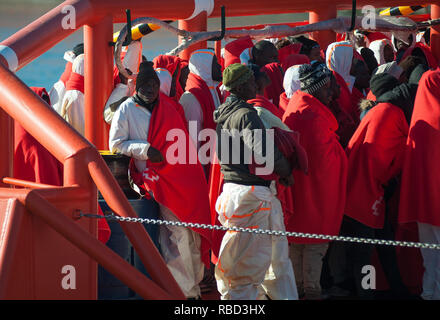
40, 232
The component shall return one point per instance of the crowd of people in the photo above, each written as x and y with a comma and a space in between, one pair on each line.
355, 128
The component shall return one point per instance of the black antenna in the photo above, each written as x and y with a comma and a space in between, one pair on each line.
223, 24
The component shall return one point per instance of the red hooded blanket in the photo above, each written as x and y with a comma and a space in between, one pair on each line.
420, 191
276, 76
319, 197
375, 155
181, 187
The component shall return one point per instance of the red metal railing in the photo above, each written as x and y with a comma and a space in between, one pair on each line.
84, 168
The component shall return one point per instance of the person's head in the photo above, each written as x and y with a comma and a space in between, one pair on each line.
393, 69
282, 43
262, 80
147, 83
203, 63
388, 53
383, 51
264, 52
315, 80
310, 48
239, 80
360, 72
382, 83
78, 49
368, 56
291, 81
409, 64
403, 43
339, 57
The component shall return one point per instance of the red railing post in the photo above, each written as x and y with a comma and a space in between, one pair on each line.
199, 23
98, 79
435, 32
6, 145
324, 38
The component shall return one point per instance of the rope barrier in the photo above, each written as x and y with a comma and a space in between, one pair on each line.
268, 232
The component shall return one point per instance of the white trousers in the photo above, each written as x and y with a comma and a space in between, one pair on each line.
251, 263
431, 261
180, 248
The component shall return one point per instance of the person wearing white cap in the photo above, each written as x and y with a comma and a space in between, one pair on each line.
132, 57
56, 94
72, 107
383, 51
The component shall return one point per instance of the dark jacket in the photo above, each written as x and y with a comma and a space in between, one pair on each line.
236, 114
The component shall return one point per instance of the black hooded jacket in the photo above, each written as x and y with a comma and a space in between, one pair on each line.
237, 114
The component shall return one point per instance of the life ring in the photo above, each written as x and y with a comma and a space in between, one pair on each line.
400, 11
138, 31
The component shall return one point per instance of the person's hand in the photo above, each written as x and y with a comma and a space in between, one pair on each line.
287, 181
154, 155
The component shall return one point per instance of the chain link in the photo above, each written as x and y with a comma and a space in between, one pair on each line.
268, 232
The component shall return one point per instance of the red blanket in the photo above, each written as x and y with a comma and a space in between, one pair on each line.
420, 191
262, 101
180, 187
172, 64
345, 100
234, 48
293, 60
375, 155
284, 101
319, 197
276, 76
75, 82
200, 90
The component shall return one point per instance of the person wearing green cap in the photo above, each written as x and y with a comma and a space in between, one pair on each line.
250, 266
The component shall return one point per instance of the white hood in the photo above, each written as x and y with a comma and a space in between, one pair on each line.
165, 80
291, 81
377, 47
338, 58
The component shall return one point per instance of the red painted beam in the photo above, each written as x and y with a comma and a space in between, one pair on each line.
106, 257
435, 32
98, 80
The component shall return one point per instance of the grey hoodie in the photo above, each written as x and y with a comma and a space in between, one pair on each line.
236, 114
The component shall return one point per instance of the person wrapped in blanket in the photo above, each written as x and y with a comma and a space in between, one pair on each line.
250, 266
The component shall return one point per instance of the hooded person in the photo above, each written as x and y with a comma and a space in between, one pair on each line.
234, 49
339, 59
139, 130
56, 94
383, 51
131, 58
318, 202
294, 59
33, 162
72, 107
423, 52
391, 68
178, 69
248, 266
375, 159
291, 84
202, 96
288, 50
166, 85
419, 192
